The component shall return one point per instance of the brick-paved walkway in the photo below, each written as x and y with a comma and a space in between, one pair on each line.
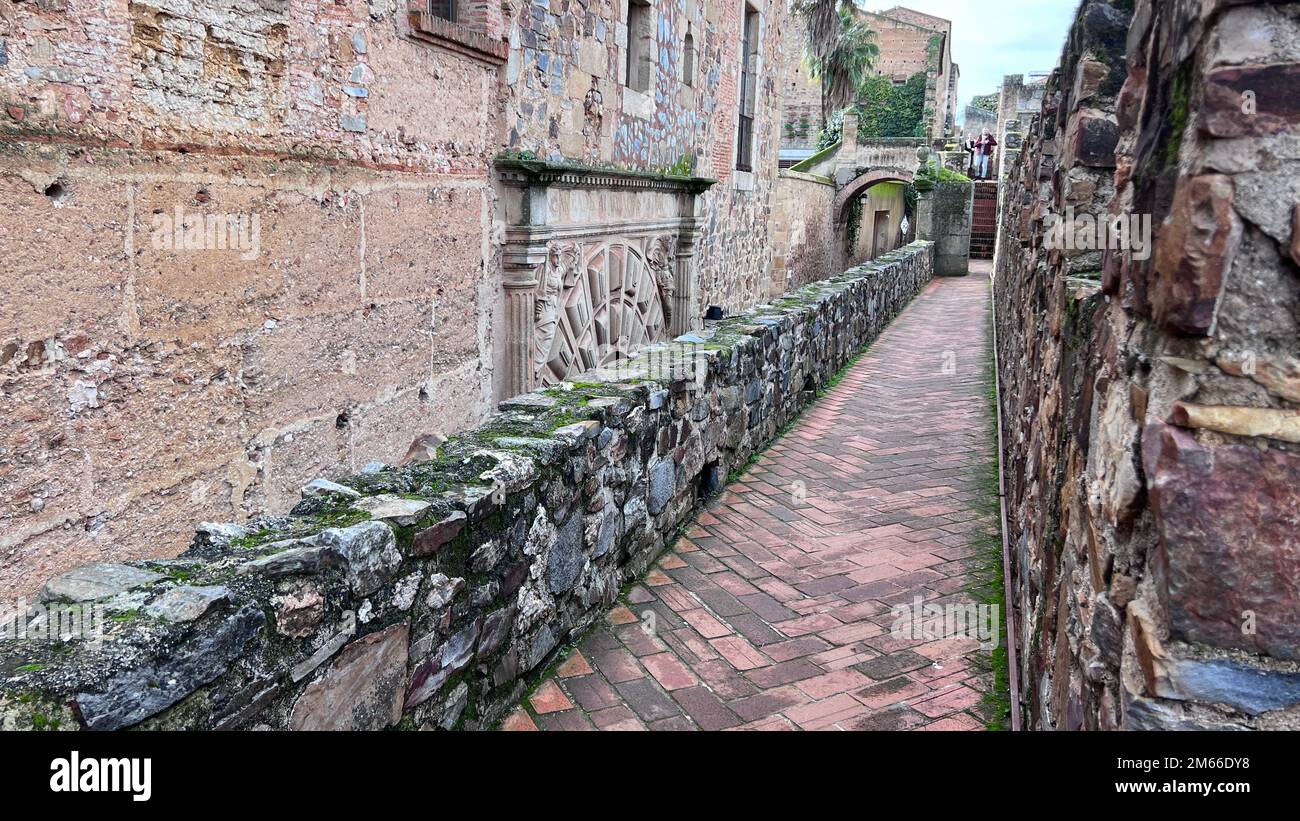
774, 612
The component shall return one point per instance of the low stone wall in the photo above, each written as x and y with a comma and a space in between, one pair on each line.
804, 245
1150, 389
421, 596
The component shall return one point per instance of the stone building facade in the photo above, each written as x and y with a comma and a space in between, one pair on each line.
253, 244
1150, 387
910, 42
801, 99
1019, 100
603, 99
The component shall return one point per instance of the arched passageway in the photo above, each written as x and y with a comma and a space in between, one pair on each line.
868, 214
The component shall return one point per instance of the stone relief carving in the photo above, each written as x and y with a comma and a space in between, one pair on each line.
599, 301
660, 259
562, 259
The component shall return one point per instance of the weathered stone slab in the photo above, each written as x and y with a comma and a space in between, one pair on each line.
133, 695
663, 484
187, 603
432, 539
1254, 101
369, 550
386, 506
1228, 519
566, 559
324, 487
1193, 254
448, 660
363, 688
96, 581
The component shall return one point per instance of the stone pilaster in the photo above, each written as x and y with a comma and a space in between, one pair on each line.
525, 263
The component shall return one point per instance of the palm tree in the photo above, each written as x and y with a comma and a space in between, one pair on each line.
840, 50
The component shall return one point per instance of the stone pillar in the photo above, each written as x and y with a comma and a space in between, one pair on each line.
522, 274
523, 265
846, 160
849, 134
686, 314
943, 216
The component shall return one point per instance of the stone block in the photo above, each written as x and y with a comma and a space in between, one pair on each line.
363, 688
1090, 139
1228, 520
1194, 251
1251, 101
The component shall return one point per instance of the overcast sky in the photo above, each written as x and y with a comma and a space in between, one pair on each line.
991, 38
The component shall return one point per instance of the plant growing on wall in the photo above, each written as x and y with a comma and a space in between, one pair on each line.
888, 110
841, 50
884, 110
854, 217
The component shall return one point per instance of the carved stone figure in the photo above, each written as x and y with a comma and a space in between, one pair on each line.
546, 316
659, 257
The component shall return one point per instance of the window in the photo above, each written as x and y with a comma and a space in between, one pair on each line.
748, 90
688, 58
446, 9
640, 47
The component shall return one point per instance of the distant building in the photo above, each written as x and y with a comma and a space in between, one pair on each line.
910, 42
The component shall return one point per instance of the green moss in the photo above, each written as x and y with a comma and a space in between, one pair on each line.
346, 517
987, 582
1179, 110
255, 539
42, 722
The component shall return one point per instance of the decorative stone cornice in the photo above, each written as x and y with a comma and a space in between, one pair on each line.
522, 173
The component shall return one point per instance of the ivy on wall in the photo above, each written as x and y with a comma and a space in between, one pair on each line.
884, 110
854, 217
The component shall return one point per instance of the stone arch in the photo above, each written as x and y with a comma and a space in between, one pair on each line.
861, 184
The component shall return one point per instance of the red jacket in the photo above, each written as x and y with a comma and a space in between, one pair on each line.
984, 145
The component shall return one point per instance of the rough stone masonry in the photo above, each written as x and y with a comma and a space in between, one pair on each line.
1151, 397
158, 368
421, 596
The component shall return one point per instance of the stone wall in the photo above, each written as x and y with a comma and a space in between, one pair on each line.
246, 244
1149, 393
423, 596
977, 119
257, 243
805, 247
801, 98
570, 103
943, 215
1018, 101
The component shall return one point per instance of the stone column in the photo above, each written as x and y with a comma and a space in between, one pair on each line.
846, 159
849, 135
686, 314
520, 283
523, 265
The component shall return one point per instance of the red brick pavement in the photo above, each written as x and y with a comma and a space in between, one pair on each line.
774, 611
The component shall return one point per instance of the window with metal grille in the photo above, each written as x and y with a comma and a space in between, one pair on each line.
446, 9
748, 90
